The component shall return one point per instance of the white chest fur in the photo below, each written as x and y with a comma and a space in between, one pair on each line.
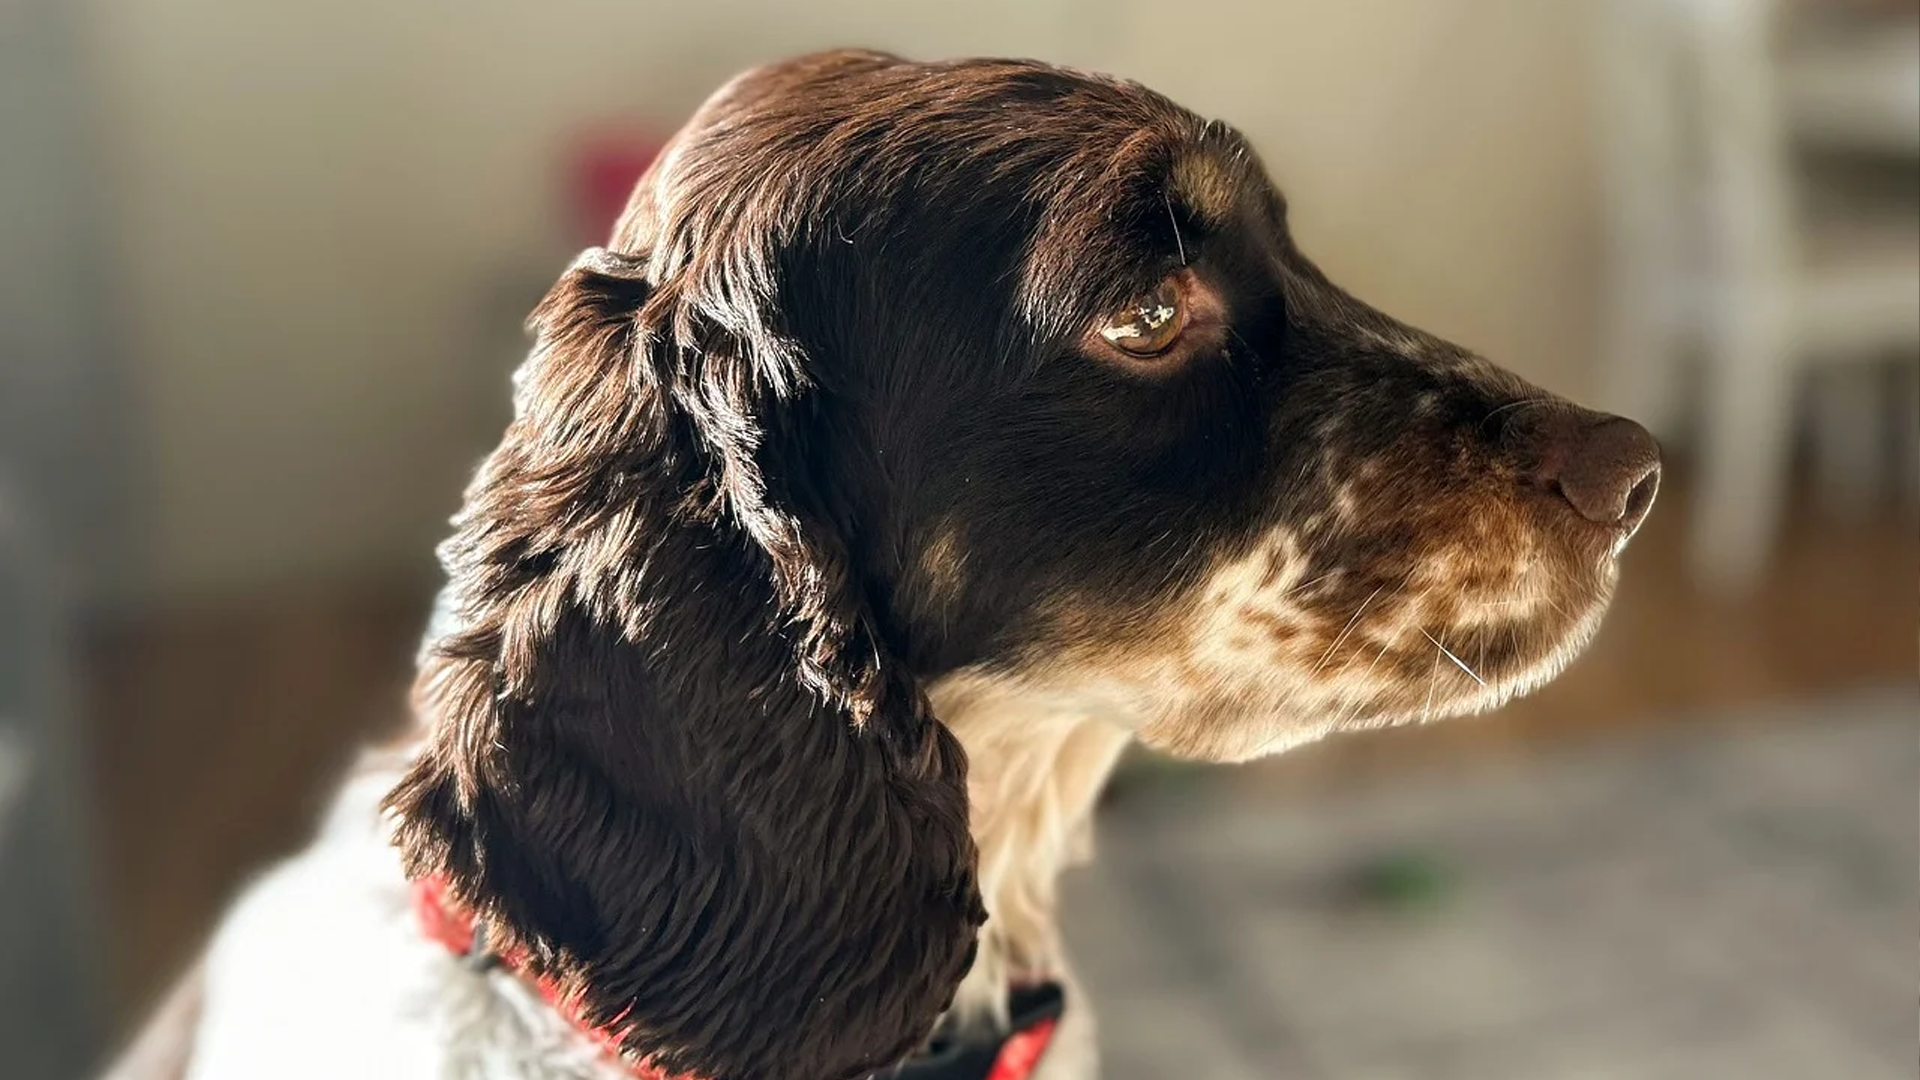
320, 972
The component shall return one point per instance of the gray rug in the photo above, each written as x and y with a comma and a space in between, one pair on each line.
1732, 901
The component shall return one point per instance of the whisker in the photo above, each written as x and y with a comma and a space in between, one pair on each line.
1178, 242
1515, 407
1344, 711
1361, 703
1433, 683
1449, 654
1552, 603
1305, 584
1377, 658
1345, 630
1348, 714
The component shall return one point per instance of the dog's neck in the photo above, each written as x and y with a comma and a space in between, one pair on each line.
1033, 776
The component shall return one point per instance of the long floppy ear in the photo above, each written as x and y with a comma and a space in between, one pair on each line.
669, 756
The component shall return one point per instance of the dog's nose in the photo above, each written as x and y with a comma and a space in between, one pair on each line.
1606, 467
1609, 472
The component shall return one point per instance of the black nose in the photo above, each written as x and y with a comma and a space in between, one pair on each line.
1606, 467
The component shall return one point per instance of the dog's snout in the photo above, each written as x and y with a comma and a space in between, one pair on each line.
1607, 468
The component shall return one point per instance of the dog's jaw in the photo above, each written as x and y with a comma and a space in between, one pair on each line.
1033, 775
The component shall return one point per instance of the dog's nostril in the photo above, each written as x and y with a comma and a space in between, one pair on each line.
1640, 500
1608, 471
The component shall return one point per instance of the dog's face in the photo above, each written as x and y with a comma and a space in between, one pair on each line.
897, 373
1103, 430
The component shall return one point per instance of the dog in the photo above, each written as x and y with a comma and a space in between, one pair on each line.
925, 434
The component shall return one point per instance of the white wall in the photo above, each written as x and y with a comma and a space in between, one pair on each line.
313, 203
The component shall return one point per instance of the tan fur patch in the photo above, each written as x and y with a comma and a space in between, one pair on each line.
1033, 775
943, 565
1206, 186
1271, 650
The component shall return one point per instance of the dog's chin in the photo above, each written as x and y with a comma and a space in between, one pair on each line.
1455, 690
1498, 645
1479, 666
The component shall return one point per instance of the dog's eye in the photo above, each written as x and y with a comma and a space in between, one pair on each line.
1149, 324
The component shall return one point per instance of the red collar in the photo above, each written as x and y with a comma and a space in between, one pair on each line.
1036, 1010
441, 920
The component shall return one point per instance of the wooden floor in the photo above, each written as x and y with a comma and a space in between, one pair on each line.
217, 734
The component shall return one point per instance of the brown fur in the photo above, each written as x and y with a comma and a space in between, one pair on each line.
829, 426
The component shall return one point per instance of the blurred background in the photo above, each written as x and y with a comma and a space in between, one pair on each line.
262, 272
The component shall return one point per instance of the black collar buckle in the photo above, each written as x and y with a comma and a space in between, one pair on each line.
1033, 1013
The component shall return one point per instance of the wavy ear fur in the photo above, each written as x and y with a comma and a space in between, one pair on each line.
669, 754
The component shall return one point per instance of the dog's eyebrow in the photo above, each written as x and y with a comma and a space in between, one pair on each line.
1208, 182
1217, 169
1146, 211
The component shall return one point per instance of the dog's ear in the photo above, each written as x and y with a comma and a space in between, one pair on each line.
670, 758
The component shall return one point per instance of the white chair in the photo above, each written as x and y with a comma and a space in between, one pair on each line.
1705, 106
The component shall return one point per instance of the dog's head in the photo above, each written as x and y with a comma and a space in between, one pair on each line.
980, 370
